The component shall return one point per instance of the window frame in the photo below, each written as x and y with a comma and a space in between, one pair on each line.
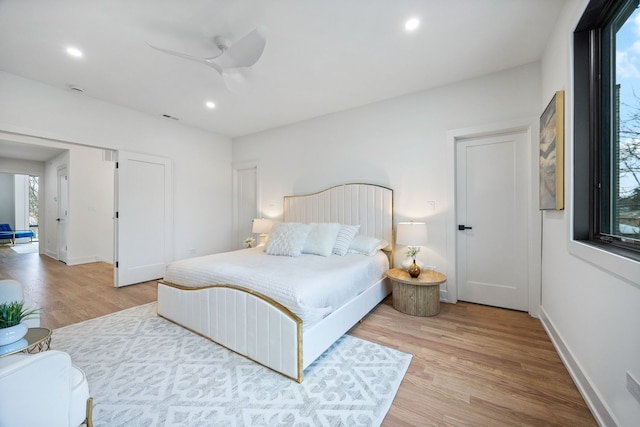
591, 143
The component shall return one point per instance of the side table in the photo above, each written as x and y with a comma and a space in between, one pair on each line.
419, 296
36, 340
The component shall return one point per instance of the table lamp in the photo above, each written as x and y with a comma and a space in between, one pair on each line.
413, 235
262, 226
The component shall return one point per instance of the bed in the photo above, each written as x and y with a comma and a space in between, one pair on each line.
242, 307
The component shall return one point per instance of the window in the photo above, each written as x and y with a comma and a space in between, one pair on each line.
34, 216
607, 126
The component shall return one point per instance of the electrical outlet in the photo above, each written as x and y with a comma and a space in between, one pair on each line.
633, 386
431, 206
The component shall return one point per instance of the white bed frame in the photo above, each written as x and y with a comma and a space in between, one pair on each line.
260, 328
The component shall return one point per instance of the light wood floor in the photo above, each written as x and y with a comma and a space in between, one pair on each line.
70, 294
472, 365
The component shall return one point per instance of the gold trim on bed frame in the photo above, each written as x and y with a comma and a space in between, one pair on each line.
338, 186
390, 252
284, 310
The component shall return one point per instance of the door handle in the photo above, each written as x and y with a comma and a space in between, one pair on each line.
462, 227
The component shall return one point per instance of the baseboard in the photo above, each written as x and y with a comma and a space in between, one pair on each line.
82, 260
78, 261
597, 406
51, 254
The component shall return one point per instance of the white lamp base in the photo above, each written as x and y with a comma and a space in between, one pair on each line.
262, 240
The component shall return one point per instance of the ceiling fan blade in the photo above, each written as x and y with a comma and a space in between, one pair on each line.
180, 54
245, 52
234, 80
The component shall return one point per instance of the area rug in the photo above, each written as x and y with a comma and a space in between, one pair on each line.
25, 248
146, 371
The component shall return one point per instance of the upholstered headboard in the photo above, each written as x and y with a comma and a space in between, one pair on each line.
367, 205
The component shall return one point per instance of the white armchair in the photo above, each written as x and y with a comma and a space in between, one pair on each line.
43, 389
11, 290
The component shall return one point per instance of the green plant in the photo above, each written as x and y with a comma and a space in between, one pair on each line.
412, 251
12, 313
248, 242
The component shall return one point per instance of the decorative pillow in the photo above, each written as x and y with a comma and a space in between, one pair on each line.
287, 238
321, 238
367, 245
345, 236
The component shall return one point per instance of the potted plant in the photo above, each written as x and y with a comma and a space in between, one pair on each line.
412, 252
11, 316
414, 269
248, 242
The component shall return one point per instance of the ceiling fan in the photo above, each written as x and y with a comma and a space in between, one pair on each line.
232, 57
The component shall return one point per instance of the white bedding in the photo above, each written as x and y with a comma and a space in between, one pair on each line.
310, 286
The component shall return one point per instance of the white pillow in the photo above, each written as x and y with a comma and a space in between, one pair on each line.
367, 245
345, 236
287, 238
321, 238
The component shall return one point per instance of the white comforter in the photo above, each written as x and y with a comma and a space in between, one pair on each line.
311, 286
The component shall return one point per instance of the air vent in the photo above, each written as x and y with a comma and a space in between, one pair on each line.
170, 117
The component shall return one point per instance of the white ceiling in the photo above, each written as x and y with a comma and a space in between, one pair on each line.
321, 56
18, 150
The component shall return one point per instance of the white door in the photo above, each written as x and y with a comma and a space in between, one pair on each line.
491, 210
63, 214
143, 218
246, 203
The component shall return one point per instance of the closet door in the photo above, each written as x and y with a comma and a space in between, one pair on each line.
491, 208
245, 182
143, 218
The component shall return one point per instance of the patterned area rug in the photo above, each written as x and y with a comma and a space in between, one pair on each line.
146, 371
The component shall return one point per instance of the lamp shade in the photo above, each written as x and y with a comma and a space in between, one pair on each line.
412, 234
262, 225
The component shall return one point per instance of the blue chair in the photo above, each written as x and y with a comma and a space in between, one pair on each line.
6, 233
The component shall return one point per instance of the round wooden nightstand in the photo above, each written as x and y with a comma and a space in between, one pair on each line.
419, 296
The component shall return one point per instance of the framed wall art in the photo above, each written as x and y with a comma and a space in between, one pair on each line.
552, 154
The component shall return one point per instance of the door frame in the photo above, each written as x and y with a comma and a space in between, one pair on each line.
530, 126
62, 233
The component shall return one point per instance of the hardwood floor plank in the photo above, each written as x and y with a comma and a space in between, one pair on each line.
472, 365
475, 365
71, 294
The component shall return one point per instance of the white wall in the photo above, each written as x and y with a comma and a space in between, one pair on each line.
201, 160
91, 201
90, 219
21, 202
7, 211
590, 299
399, 143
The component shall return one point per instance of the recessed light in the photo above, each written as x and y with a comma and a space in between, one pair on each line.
73, 51
412, 24
210, 104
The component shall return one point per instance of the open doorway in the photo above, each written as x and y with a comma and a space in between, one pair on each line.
19, 210
90, 196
